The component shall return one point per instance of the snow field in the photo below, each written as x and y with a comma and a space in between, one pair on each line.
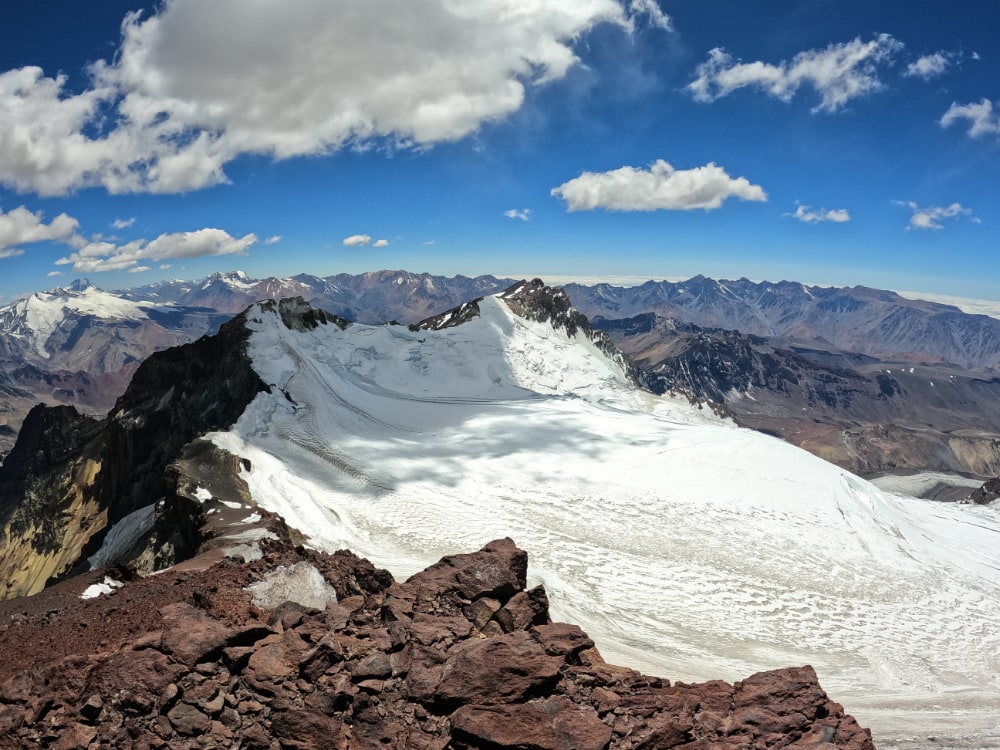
684, 546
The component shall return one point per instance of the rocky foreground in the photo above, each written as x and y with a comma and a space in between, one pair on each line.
458, 656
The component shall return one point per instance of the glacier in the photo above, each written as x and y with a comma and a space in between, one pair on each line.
685, 546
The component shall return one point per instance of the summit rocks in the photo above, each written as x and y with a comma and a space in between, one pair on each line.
459, 656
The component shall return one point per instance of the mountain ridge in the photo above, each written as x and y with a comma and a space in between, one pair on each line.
401, 443
914, 427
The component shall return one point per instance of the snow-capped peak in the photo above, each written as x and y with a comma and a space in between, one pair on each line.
80, 285
36, 317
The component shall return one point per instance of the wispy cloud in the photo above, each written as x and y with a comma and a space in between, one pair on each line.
272, 240
53, 274
524, 214
20, 226
838, 73
107, 256
806, 215
652, 10
981, 117
122, 223
659, 188
930, 217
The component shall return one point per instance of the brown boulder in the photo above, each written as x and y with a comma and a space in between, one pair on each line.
554, 724
504, 669
308, 730
498, 571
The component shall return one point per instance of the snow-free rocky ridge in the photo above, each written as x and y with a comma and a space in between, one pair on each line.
682, 544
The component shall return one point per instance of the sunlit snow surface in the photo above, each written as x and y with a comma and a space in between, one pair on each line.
685, 546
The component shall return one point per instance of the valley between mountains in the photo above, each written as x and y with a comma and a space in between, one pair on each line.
683, 544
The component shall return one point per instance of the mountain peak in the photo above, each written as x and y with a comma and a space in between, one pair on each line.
298, 315
80, 285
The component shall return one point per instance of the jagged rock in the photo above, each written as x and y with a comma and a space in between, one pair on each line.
986, 494
70, 478
401, 665
498, 571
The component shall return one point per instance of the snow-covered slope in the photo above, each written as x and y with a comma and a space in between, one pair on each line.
686, 546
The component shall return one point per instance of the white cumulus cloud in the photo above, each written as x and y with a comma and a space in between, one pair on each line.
20, 226
807, 215
196, 84
838, 73
381, 243
358, 240
524, 214
661, 187
929, 66
107, 256
982, 119
931, 216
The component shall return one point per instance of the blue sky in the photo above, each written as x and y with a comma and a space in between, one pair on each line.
825, 141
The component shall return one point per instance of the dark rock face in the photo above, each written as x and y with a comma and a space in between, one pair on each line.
174, 397
428, 663
48, 505
69, 478
986, 494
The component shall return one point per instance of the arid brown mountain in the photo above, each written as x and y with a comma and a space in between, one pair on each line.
868, 415
80, 345
859, 320
302, 651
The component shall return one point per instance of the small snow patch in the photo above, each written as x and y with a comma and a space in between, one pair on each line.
301, 583
231, 504
252, 518
108, 586
201, 494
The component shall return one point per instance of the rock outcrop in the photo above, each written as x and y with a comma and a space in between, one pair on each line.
988, 493
459, 656
71, 478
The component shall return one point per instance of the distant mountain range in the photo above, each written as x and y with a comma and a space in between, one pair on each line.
373, 298
864, 377
859, 320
